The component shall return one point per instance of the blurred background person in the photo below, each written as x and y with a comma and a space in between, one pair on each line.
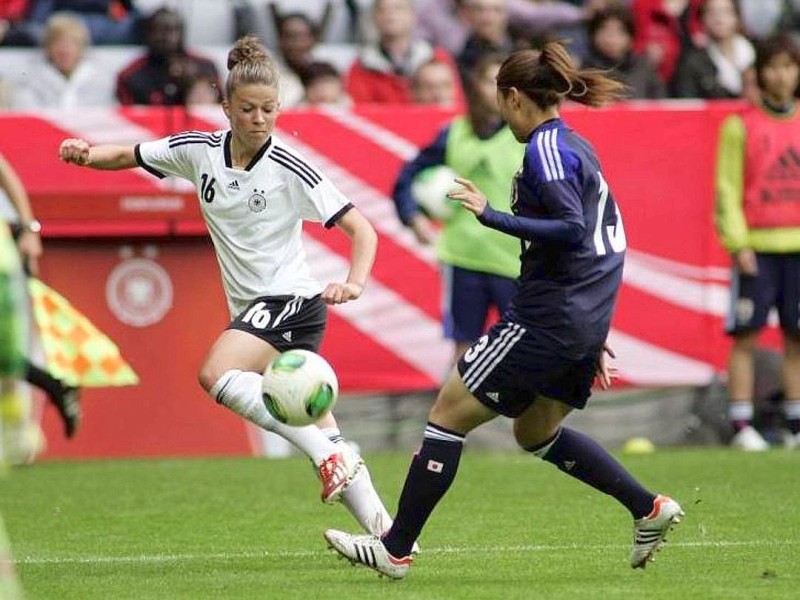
435, 83
665, 29
15, 28
445, 22
167, 70
716, 69
488, 32
297, 37
383, 70
108, 21
479, 265
323, 86
17, 211
762, 18
611, 33
12, 321
758, 221
61, 76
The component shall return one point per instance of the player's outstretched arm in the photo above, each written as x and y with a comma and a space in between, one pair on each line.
364, 245
105, 156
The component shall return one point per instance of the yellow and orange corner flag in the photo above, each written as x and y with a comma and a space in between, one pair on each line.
75, 350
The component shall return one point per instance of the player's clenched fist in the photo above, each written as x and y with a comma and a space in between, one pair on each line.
74, 151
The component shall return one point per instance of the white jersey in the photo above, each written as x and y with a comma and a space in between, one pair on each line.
255, 216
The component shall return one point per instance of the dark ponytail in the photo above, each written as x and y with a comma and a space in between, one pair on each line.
550, 75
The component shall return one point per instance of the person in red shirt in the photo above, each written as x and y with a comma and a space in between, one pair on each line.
664, 28
383, 71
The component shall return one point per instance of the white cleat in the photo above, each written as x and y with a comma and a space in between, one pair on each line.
379, 527
749, 440
336, 472
368, 550
649, 532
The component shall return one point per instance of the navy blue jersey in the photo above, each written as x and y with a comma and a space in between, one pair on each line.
573, 241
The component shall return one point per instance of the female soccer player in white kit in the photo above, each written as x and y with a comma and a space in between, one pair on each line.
255, 191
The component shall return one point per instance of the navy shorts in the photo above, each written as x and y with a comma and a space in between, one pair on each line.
285, 322
510, 366
467, 298
777, 285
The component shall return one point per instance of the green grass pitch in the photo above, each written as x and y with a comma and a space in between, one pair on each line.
511, 527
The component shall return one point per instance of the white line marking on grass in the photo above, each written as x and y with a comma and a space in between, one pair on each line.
523, 549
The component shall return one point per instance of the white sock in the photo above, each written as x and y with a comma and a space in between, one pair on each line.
360, 497
241, 392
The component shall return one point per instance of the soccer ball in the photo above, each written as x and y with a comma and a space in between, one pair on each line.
429, 189
299, 387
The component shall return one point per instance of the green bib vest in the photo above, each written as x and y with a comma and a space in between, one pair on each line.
491, 164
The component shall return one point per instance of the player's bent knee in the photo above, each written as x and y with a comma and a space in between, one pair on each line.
208, 376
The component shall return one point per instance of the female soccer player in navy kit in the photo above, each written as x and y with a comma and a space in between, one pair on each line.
255, 191
538, 363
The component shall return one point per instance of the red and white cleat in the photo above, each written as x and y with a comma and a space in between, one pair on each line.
335, 473
649, 532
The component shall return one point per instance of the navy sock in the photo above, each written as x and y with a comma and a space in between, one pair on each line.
433, 468
583, 458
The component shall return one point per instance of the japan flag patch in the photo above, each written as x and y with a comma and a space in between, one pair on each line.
435, 467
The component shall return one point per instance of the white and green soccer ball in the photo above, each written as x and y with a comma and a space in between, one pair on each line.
299, 387
429, 190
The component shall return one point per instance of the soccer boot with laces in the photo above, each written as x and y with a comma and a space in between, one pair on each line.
368, 550
649, 532
335, 473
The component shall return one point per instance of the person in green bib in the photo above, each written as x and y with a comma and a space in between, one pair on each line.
479, 265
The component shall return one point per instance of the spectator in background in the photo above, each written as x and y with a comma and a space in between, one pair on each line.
479, 265
664, 29
383, 70
717, 69
488, 32
758, 220
297, 36
15, 28
761, 18
166, 72
109, 21
323, 86
435, 83
445, 23
611, 34
61, 77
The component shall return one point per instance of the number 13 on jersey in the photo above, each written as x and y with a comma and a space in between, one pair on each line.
615, 233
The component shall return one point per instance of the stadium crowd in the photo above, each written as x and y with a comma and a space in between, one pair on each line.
384, 51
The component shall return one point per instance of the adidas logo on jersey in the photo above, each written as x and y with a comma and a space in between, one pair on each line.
786, 167
493, 396
234, 185
287, 335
